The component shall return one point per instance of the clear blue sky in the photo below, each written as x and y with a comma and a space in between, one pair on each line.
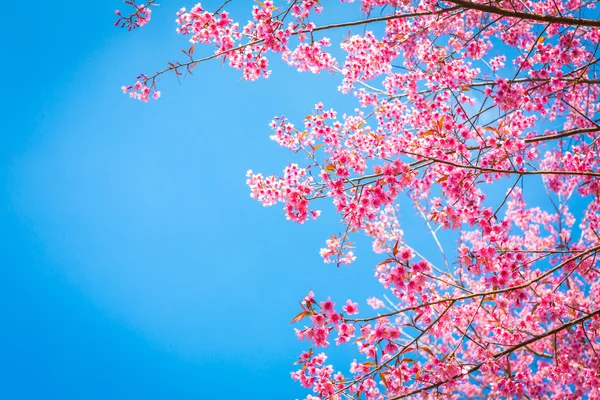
134, 263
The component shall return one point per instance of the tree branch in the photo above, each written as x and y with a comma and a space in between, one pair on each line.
552, 19
505, 352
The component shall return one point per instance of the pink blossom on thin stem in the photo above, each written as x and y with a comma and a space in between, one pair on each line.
137, 18
141, 91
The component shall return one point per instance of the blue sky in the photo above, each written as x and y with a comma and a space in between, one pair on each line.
134, 263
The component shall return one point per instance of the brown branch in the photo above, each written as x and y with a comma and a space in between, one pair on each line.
479, 294
193, 62
552, 19
380, 19
571, 81
560, 135
548, 252
398, 353
506, 171
534, 139
501, 354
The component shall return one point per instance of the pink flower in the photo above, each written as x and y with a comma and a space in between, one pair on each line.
375, 303
405, 254
310, 297
350, 307
327, 306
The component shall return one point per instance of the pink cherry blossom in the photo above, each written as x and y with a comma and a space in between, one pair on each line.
350, 307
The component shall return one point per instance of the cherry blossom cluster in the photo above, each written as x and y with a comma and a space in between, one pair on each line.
366, 59
137, 18
293, 189
246, 48
141, 91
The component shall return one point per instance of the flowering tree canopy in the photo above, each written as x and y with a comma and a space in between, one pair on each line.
455, 98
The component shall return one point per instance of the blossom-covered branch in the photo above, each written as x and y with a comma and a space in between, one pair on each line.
137, 18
